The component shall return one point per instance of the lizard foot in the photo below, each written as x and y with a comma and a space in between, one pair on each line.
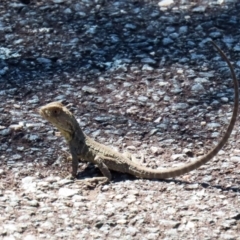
70, 177
94, 182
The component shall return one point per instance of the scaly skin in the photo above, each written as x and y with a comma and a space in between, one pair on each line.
85, 149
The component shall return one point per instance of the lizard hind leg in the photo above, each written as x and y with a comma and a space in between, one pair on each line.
100, 180
103, 168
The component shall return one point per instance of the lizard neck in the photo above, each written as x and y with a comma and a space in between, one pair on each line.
77, 135
77, 142
74, 133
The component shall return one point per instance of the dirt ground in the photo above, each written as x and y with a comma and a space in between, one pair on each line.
139, 76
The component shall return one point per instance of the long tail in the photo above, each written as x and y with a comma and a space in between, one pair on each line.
143, 172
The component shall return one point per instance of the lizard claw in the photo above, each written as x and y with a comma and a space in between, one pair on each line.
101, 181
94, 182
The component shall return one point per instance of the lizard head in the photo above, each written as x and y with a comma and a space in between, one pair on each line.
57, 114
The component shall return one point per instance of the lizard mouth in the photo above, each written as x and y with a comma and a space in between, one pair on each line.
46, 114
43, 113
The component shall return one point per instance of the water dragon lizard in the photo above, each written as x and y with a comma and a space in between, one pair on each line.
85, 149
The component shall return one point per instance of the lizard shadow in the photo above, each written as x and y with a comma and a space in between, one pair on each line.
92, 171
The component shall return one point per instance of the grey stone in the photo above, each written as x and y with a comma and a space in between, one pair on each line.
67, 192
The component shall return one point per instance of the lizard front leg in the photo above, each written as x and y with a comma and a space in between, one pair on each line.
74, 165
74, 159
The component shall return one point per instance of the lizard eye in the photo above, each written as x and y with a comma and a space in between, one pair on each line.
55, 111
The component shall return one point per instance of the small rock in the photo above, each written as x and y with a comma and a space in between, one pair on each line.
167, 41
155, 150
213, 125
133, 148
64, 181
30, 237
127, 84
158, 120
199, 9
235, 159
103, 118
16, 127
236, 48
130, 26
32, 137
226, 236
179, 106
169, 223
238, 63
148, 60
58, 1
67, 192
16, 157
187, 151
192, 186
215, 34
163, 126
28, 184
122, 221
52, 179
143, 98
5, 132
18, 41
201, 80
166, 98
89, 89
153, 131
165, 3
178, 156
190, 225
11, 228
197, 88
43, 60
183, 29
207, 179
170, 29
47, 225
96, 133
174, 35
215, 134
147, 68
33, 203
2, 172
224, 99
132, 110
155, 98
68, 11
4, 71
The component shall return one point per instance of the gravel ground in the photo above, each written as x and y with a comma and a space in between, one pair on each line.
140, 76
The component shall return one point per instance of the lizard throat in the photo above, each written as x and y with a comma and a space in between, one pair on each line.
67, 135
